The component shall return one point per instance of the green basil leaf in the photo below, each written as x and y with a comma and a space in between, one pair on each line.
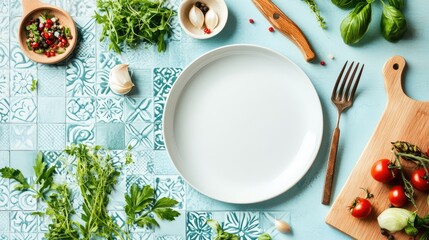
398, 4
346, 4
393, 24
355, 25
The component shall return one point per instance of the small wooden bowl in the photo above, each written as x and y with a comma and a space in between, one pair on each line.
219, 6
32, 9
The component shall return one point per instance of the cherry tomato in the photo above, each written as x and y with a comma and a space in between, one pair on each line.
361, 208
49, 21
34, 44
381, 172
397, 196
420, 180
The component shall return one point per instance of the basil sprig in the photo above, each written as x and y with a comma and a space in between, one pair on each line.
354, 27
393, 23
346, 4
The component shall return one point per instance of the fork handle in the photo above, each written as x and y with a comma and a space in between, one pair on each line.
330, 170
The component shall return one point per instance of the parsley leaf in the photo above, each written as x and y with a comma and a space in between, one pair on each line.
16, 175
141, 202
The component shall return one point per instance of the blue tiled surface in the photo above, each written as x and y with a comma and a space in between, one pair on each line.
73, 104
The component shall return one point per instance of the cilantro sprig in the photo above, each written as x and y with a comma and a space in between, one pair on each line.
131, 22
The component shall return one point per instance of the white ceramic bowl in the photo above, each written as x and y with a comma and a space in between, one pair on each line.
219, 6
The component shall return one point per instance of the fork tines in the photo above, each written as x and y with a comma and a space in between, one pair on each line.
338, 95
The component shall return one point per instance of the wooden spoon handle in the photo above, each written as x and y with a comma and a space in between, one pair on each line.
286, 26
30, 5
330, 170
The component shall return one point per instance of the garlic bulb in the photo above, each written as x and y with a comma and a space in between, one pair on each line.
211, 19
282, 226
196, 17
120, 79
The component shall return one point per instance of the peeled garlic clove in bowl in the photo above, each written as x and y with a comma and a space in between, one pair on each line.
120, 79
211, 19
196, 17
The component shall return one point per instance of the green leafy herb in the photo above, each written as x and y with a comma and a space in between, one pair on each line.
316, 11
129, 156
222, 235
16, 175
131, 22
346, 4
33, 85
398, 4
393, 23
141, 202
355, 25
96, 178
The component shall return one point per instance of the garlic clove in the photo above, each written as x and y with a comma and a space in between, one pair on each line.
211, 19
282, 226
120, 79
196, 17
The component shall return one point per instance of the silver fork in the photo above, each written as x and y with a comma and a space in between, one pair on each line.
342, 100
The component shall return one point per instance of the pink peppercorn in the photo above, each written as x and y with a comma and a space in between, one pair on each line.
251, 21
271, 29
322, 63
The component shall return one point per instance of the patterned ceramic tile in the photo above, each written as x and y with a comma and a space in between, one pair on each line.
143, 163
110, 109
142, 79
170, 237
197, 227
80, 76
5, 136
51, 83
80, 134
119, 218
163, 164
171, 187
54, 158
158, 112
177, 30
51, 136
4, 159
23, 137
111, 135
4, 194
5, 220
140, 180
163, 80
138, 110
4, 7
24, 236
142, 236
4, 83
244, 224
4, 110
23, 110
23, 222
17, 58
4, 28
42, 223
21, 81
139, 136
15, 8
24, 160
13, 26
86, 45
80, 110
108, 59
4, 55
102, 87
22, 200
78, 8
51, 109
4, 236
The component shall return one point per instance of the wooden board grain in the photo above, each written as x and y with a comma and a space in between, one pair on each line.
404, 119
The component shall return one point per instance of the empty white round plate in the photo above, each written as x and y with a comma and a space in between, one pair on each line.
242, 124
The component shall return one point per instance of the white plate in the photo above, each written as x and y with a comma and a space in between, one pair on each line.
242, 124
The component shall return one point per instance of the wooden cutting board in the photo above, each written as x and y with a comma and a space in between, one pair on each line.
403, 119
